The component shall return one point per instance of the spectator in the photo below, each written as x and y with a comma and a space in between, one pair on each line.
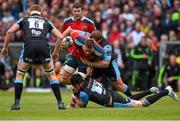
115, 35
167, 24
137, 34
105, 30
7, 17
142, 56
8, 81
156, 27
127, 15
145, 27
172, 69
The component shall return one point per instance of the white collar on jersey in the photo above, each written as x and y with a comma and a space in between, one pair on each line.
81, 18
35, 12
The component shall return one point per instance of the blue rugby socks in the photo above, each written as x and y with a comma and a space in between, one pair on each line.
127, 91
55, 87
152, 99
140, 95
18, 91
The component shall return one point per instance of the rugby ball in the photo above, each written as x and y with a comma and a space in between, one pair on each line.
67, 41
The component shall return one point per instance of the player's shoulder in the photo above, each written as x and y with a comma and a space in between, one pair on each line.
69, 20
20, 20
87, 20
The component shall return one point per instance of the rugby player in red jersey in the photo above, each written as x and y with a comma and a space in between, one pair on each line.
78, 21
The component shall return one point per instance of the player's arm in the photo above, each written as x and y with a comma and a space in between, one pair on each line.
105, 61
176, 77
83, 101
9, 34
58, 36
56, 33
64, 27
134, 54
14, 28
69, 31
92, 27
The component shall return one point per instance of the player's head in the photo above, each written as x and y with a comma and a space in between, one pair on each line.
88, 47
172, 59
77, 11
77, 81
144, 40
35, 9
96, 35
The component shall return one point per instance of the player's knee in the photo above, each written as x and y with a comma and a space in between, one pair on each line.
135, 103
65, 80
66, 73
49, 71
19, 75
21, 71
119, 85
51, 76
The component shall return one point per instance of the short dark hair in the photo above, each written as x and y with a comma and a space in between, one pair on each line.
76, 79
97, 35
89, 43
35, 7
77, 5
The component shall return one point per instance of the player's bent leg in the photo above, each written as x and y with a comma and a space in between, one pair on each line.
138, 96
21, 70
49, 69
66, 73
152, 99
119, 85
131, 103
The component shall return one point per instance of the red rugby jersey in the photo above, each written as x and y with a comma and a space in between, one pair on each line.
84, 24
79, 41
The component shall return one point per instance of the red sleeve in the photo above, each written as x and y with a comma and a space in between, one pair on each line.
64, 27
91, 28
74, 35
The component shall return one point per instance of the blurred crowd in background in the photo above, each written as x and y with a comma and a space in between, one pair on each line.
134, 27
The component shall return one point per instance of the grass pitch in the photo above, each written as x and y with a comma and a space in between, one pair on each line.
43, 106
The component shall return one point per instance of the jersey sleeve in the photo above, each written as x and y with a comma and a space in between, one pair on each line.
92, 27
64, 27
74, 35
20, 22
84, 97
134, 55
78, 39
107, 52
51, 26
83, 33
98, 50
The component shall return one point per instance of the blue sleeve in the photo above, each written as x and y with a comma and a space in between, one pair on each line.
107, 52
79, 41
98, 50
82, 33
84, 97
121, 105
20, 22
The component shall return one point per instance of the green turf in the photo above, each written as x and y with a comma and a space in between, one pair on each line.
43, 106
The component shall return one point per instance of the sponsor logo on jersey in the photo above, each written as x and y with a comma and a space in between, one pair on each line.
84, 28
